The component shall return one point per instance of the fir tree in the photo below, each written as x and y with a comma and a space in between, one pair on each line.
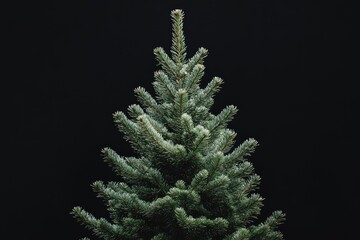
187, 182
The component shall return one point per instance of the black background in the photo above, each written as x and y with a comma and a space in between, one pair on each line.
286, 65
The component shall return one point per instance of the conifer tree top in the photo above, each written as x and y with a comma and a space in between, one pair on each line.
187, 180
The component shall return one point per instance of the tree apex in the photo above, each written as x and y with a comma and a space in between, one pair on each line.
177, 12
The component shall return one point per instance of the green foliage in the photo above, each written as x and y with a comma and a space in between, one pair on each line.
186, 182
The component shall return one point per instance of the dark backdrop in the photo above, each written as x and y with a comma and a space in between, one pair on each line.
286, 65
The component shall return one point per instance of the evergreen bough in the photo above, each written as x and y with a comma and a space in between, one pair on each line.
186, 182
